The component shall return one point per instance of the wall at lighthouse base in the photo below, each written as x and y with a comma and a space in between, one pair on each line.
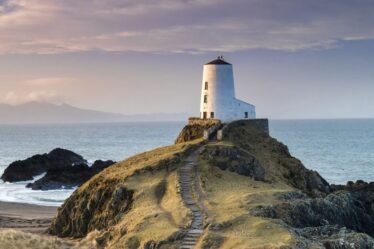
260, 124
237, 109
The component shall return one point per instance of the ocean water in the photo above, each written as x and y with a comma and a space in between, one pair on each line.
340, 150
115, 141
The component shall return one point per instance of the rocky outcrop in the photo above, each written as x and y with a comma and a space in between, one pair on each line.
96, 208
312, 214
343, 209
69, 177
106, 201
235, 160
275, 157
27, 169
332, 237
340, 216
195, 129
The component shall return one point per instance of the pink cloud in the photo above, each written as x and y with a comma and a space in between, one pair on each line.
177, 26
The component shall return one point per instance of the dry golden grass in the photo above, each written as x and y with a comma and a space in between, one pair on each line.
152, 210
154, 216
229, 197
140, 163
156, 211
14, 239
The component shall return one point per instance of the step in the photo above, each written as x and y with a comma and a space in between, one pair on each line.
196, 224
193, 238
190, 240
189, 244
193, 244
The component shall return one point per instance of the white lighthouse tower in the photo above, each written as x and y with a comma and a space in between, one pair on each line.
218, 94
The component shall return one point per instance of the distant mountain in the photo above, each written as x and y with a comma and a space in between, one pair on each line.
46, 113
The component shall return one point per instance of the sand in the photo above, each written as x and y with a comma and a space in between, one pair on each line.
26, 217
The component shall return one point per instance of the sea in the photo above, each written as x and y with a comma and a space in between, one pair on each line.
340, 150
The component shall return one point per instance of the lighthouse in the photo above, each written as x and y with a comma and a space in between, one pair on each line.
218, 99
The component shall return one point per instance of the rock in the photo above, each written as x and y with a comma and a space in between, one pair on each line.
352, 209
290, 196
150, 245
69, 177
350, 240
195, 129
94, 209
27, 169
333, 237
275, 158
99, 165
235, 160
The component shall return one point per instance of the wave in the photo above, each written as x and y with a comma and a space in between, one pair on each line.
17, 192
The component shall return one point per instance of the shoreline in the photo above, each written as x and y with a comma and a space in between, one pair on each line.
26, 217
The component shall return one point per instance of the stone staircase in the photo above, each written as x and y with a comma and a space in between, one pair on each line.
187, 184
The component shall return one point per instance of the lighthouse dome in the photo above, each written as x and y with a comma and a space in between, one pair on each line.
218, 61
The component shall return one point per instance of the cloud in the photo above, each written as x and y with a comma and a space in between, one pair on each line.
44, 96
180, 26
52, 81
12, 98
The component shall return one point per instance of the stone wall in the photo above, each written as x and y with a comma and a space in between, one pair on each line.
261, 124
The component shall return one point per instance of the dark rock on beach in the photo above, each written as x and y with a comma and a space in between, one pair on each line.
69, 177
25, 170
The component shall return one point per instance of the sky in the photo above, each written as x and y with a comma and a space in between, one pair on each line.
292, 58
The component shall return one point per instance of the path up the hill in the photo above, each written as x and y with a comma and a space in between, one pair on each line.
187, 182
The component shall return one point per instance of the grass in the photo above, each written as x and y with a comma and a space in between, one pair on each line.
146, 208
156, 213
152, 217
14, 239
229, 197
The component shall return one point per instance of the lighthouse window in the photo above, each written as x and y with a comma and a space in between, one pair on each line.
206, 85
246, 115
205, 98
212, 115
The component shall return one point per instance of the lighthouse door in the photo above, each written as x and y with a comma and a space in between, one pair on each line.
205, 115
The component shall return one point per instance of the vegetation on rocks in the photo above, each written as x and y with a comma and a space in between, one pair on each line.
14, 239
253, 193
132, 203
195, 129
274, 156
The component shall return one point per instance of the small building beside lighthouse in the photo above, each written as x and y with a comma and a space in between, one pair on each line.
218, 99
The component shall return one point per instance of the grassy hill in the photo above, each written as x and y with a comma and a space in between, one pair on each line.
242, 183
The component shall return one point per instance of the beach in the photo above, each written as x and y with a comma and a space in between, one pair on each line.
26, 217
